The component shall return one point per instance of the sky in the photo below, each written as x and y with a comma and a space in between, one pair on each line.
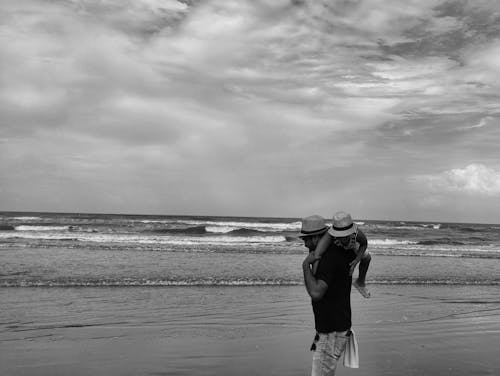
386, 109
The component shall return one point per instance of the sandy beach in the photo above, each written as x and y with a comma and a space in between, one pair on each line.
402, 330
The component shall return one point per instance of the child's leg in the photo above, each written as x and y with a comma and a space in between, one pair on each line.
364, 263
360, 283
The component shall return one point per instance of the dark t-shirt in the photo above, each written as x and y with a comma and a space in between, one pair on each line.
333, 312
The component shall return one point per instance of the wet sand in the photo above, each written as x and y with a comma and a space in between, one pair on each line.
401, 330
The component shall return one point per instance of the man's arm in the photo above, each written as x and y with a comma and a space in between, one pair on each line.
316, 288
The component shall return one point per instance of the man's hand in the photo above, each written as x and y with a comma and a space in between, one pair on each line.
310, 259
352, 265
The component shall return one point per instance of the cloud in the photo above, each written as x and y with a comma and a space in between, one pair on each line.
482, 122
310, 63
474, 179
209, 98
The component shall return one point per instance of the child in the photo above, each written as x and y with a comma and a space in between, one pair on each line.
345, 233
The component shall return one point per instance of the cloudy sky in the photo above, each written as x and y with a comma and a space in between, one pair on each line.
388, 109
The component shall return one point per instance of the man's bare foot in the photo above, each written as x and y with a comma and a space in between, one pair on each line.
362, 289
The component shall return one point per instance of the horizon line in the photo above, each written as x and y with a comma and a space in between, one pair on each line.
235, 216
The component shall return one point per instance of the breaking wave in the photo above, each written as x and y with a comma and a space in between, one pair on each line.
198, 230
385, 242
41, 228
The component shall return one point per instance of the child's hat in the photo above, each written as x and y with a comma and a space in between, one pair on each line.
342, 225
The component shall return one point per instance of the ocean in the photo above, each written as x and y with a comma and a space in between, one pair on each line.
93, 250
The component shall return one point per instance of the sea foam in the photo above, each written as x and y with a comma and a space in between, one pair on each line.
41, 228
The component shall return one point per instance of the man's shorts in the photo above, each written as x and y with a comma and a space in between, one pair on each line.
329, 349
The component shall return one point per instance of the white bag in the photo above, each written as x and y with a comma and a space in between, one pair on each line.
351, 358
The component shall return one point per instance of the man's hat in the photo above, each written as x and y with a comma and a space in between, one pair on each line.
313, 225
342, 225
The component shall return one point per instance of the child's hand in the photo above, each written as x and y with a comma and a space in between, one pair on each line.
352, 266
310, 259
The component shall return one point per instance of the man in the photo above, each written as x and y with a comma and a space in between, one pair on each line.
330, 292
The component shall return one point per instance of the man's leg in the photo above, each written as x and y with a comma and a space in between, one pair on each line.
329, 349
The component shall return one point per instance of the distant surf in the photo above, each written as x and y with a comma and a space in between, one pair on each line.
73, 249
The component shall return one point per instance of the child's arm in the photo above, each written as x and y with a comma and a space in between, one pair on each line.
321, 248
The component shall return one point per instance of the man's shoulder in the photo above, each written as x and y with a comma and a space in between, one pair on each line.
333, 251
334, 247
